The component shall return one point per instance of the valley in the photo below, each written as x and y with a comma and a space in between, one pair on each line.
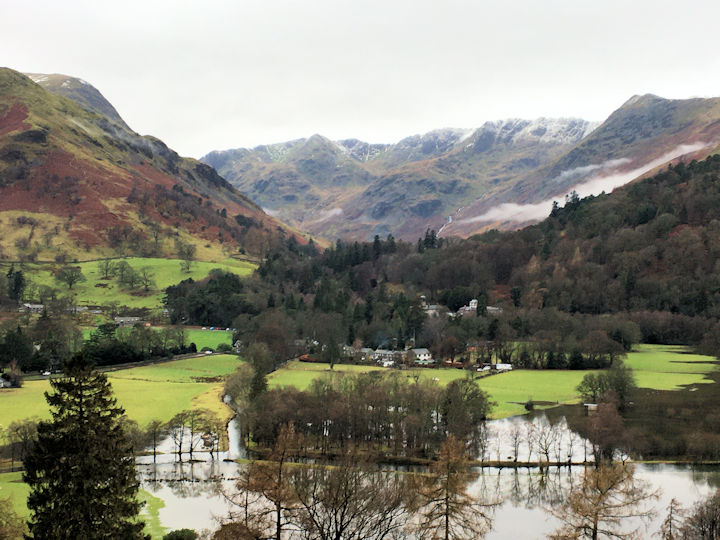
524, 295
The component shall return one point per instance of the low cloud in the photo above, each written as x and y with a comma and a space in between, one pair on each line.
327, 214
521, 213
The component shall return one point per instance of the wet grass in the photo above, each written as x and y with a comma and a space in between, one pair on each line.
157, 391
656, 367
11, 485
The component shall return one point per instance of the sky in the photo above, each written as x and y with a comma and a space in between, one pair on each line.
213, 75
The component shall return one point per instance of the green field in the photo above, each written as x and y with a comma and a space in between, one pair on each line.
656, 367
208, 338
157, 391
97, 292
201, 338
11, 485
666, 367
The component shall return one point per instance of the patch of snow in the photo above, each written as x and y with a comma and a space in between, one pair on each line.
38, 78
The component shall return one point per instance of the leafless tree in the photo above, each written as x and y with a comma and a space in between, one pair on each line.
445, 509
601, 505
350, 500
672, 525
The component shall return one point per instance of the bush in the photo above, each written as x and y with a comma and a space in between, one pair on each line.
224, 347
181, 534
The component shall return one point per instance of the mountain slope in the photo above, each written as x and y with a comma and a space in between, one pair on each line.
354, 189
645, 133
76, 181
462, 182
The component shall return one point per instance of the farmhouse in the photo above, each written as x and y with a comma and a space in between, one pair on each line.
32, 308
422, 355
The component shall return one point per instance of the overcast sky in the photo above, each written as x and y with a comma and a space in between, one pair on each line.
225, 74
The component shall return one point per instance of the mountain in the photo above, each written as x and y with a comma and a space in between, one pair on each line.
77, 182
642, 136
461, 182
354, 189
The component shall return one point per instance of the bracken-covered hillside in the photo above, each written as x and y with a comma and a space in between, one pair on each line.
76, 182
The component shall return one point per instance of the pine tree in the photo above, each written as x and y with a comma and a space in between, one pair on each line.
81, 471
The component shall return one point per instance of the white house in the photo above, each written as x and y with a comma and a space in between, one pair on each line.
33, 308
422, 355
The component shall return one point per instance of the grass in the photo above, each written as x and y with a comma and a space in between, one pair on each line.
509, 390
157, 391
667, 367
201, 338
656, 367
11, 485
97, 292
208, 338
150, 514
302, 374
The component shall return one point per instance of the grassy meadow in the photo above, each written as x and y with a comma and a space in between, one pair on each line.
156, 391
657, 367
96, 291
201, 338
12, 486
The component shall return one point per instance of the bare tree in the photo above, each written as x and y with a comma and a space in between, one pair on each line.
446, 510
545, 437
515, 437
703, 523
155, 431
21, 436
270, 479
178, 427
599, 507
671, 528
350, 501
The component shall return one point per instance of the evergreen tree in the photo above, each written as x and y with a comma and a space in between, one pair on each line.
81, 471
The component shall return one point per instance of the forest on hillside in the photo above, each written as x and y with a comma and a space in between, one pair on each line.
596, 276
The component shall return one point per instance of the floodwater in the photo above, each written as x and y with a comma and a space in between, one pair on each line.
191, 491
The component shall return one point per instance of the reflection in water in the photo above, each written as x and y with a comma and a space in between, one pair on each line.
193, 500
525, 492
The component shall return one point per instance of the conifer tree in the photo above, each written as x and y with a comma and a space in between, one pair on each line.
81, 471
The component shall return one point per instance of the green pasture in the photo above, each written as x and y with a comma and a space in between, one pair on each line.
668, 367
96, 291
201, 338
511, 390
302, 374
152, 392
150, 514
208, 338
11, 485
655, 366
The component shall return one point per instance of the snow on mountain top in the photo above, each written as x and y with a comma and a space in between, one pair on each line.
546, 130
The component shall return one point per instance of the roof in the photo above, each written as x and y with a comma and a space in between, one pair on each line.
420, 351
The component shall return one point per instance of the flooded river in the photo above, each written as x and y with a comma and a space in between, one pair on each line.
192, 499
